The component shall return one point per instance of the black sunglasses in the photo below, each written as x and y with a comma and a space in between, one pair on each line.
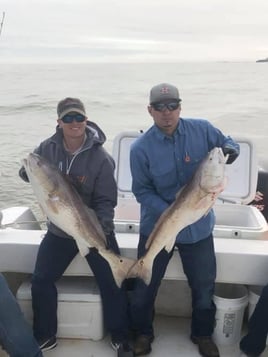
69, 118
160, 107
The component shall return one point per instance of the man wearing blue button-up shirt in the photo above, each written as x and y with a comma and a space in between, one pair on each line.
162, 161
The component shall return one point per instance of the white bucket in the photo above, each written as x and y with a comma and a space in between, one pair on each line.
231, 301
254, 292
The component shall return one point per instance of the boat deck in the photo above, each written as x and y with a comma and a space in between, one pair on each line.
171, 340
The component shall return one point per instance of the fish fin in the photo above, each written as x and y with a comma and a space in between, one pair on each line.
212, 196
120, 266
142, 269
93, 217
203, 202
170, 244
121, 271
206, 213
83, 247
180, 191
216, 190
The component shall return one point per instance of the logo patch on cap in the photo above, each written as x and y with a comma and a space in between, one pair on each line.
164, 90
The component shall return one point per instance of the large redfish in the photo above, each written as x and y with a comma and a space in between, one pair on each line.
65, 208
192, 202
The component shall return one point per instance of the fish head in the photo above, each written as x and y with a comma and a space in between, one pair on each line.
40, 172
212, 171
47, 183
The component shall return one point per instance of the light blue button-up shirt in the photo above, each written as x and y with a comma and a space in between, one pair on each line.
161, 165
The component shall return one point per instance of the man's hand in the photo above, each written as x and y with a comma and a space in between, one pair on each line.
233, 153
23, 174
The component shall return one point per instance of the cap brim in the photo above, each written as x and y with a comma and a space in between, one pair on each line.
162, 99
72, 110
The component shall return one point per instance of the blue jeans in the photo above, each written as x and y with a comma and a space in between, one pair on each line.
54, 256
16, 335
255, 341
199, 265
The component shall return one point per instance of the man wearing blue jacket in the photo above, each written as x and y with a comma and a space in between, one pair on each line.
162, 161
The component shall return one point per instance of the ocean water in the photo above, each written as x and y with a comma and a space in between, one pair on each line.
233, 96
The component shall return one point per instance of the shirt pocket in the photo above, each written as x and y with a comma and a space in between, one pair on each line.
164, 174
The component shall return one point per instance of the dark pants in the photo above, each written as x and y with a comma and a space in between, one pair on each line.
199, 264
255, 341
54, 256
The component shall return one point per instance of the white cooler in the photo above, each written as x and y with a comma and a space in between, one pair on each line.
79, 307
234, 218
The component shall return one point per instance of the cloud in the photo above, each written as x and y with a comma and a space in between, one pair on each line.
124, 30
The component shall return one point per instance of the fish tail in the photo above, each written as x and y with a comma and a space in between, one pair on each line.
141, 269
119, 266
82, 247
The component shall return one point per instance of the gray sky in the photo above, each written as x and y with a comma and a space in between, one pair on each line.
133, 30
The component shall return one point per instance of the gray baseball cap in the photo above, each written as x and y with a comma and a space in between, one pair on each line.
164, 91
69, 105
